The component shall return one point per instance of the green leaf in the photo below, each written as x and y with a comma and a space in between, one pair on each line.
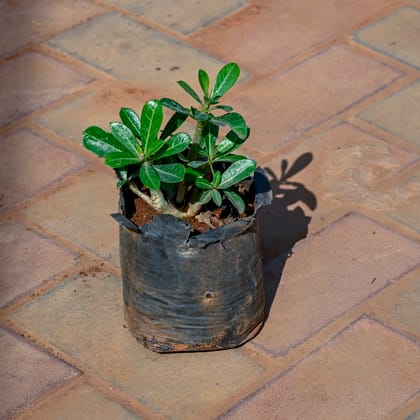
191, 174
176, 144
217, 177
217, 121
173, 124
174, 106
237, 172
204, 80
156, 147
197, 163
230, 143
149, 176
226, 108
225, 79
189, 90
100, 142
236, 200
131, 120
205, 197
203, 183
126, 138
151, 120
217, 198
170, 173
198, 115
229, 158
237, 124
123, 177
209, 137
120, 159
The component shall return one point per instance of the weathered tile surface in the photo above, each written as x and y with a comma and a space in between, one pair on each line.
298, 101
135, 53
398, 114
165, 383
404, 199
24, 22
29, 163
26, 260
27, 373
396, 35
399, 305
341, 166
32, 81
99, 107
183, 16
329, 274
81, 213
82, 403
407, 311
267, 34
364, 372
414, 416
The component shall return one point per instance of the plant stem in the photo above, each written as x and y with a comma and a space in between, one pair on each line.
142, 195
157, 201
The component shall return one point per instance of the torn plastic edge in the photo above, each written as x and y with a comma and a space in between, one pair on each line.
182, 230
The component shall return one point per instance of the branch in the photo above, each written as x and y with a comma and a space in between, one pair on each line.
142, 195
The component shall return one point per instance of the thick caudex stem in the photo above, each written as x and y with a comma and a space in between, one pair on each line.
158, 202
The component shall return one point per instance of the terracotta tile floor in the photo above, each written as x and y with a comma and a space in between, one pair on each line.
331, 92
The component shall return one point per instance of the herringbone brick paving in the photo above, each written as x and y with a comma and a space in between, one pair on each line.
331, 92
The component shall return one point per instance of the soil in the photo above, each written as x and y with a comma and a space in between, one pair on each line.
145, 213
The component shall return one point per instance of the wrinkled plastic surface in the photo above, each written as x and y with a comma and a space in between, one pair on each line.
189, 292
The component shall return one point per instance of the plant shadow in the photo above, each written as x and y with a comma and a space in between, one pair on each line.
285, 222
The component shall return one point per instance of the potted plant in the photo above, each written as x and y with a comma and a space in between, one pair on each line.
191, 267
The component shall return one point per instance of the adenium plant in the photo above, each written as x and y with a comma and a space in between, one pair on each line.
170, 170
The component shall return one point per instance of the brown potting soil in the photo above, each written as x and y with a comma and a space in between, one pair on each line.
145, 213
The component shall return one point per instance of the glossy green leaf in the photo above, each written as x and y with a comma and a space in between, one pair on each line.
173, 124
100, 142
189, 90
203, 153
237, 172
176, 144
217, 198
236, 200
217, 177
205, 197
203, 183
120, 159
156, 147
174, 106
209, 137
204, 80
225, 79
149, 176
229, 158
230, 143
197, 164
217, 121
151, 120
198, 115
131, 120
122, 176
226, 108
237, 124
126, 138
170, 173
121, 182
191, 174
